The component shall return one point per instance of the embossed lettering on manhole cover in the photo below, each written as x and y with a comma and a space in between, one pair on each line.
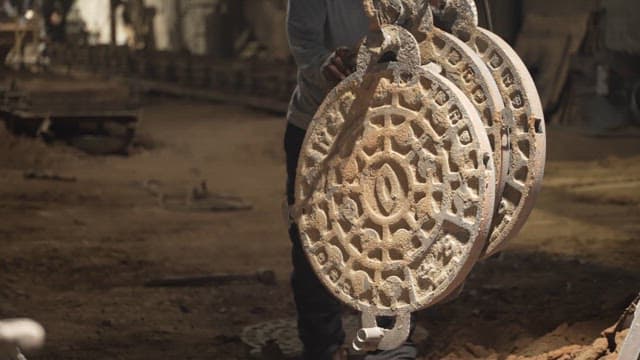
526, 134
395, 189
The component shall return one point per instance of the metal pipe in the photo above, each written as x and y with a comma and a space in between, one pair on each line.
368, 339
23, 333
370, 335
359, 346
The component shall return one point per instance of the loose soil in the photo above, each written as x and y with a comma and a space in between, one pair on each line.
76, 255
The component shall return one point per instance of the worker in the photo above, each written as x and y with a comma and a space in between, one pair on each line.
323, 35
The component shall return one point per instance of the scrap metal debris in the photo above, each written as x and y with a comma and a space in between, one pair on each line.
266, 277
36, 174
197, 199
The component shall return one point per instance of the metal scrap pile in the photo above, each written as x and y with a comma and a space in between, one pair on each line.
424, 161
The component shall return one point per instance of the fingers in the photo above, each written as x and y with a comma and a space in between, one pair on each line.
343, 52
346, 59
339, 64
332, 72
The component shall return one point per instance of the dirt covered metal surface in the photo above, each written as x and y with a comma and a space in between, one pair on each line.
76, 255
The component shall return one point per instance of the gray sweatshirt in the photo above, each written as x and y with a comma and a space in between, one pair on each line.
315, 29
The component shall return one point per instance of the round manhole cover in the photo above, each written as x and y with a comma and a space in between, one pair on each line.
395, 189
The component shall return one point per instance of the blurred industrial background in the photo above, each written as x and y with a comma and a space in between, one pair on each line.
583, 54
142, 140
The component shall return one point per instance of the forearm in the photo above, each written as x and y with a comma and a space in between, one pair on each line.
306, 32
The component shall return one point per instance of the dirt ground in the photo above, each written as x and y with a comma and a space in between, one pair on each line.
75, 255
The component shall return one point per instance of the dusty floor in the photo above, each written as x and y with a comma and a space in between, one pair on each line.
76, 255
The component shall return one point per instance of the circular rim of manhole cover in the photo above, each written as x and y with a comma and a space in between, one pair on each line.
395, 189
527, 132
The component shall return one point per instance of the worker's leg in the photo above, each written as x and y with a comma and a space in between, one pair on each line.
319, 313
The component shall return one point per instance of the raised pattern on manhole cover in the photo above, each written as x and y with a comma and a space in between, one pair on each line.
460, 64
468, 72
395, 189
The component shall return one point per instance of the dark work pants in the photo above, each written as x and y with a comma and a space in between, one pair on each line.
319, 312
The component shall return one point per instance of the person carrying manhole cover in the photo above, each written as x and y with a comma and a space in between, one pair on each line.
323, 36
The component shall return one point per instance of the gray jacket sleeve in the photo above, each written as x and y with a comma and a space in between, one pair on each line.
306, 32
